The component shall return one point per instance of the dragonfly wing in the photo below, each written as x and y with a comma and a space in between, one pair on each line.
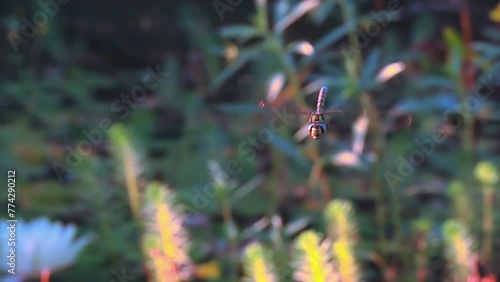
332, 112
265, 106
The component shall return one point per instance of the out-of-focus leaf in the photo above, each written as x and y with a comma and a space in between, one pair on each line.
275, 85
370, 67
431, 81
334, 84
255, 203
320, 14
238, 108
492, 33
390, 71
359, 128
260, 20
280, 10
456, 51
229, 71
334, 36
170, 90
424, 105
301, 47
239, 32
296, 226
203, 37
241, 191
55, 42
288, 148
297, 12
423, 28
489, 50
346, 159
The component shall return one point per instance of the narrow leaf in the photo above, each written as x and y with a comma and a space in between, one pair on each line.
297, 12
239, 32
229, 71
370, 67
289, 149
334, 36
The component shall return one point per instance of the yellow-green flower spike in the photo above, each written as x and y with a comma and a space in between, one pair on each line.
257, 264
313, 259
486, 173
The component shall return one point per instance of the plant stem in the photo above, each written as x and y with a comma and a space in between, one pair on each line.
488, 199
232, 236
466, 83
376, 129
375, 126
421, 259
131, 180
289, 69
275, 189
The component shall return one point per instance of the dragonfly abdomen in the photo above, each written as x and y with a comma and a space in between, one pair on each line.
321, 99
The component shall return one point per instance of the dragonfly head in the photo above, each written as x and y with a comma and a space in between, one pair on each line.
316, 129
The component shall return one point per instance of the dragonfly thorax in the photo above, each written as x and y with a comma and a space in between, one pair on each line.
316, 117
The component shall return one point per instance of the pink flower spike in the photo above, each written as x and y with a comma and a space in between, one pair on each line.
45, 275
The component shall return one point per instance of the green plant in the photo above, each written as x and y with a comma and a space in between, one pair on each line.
487, 174
125, 154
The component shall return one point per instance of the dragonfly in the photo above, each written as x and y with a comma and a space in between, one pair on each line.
317, 122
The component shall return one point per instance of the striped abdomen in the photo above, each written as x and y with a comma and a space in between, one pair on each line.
321, 99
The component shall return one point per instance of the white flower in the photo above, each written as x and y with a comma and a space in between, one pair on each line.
39, 245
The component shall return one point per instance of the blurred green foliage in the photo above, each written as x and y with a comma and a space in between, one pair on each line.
199, 122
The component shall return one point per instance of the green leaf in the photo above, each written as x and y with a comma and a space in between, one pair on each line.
424, 104
368, 73
456, 52
334, 36
260, 19
434, 81
422, 29
326, 8
241, 33
202, 36
229, 71
240, 108
492, 33
288, 148
297, 12
487, 49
